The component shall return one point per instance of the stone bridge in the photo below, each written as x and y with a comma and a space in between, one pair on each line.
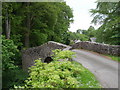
98, 47
104, 69
45, 51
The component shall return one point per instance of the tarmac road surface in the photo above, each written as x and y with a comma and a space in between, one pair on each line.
105, 70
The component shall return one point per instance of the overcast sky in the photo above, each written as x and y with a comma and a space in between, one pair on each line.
82, 17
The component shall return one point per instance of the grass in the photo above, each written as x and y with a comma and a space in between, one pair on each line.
86, 78
116, 58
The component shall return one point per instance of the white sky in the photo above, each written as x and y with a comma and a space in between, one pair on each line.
82, 16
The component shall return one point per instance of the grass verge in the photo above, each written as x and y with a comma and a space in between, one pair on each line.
116, 58
86, 78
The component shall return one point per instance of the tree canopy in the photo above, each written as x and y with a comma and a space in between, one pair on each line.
107, 14
36, 23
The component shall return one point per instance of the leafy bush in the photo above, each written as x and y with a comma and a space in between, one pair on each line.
66, 54
53, 75
9, 51
59, 74
12, 73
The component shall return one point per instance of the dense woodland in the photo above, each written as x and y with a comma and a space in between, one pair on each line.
30, 24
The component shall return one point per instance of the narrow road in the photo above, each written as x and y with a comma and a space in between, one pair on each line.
105, 70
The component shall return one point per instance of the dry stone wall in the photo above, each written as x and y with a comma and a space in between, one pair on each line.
98, 47
43, 51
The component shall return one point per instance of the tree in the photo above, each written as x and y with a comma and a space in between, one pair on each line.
36, 23
7, 17
77, 36
91, 32
107, 14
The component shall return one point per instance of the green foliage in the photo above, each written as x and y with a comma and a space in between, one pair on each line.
91, 32
13, 77
9, 51
78, 36
12, 74
39, 38
53, 75
66, 54
17, 40
116, 58
59, 74
107, 15
49, 21
82, 35
86, 78
71, 42
66, 38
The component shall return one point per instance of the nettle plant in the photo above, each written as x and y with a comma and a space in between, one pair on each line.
56, 74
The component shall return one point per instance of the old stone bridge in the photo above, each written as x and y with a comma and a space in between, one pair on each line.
45, 51
105, 70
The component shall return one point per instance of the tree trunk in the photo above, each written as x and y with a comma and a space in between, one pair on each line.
7, 26
28, 27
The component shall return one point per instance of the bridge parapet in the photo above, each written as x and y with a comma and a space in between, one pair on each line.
43, 51
98, 47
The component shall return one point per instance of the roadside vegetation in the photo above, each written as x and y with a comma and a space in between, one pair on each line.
116, 58
12, 73
60, 73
